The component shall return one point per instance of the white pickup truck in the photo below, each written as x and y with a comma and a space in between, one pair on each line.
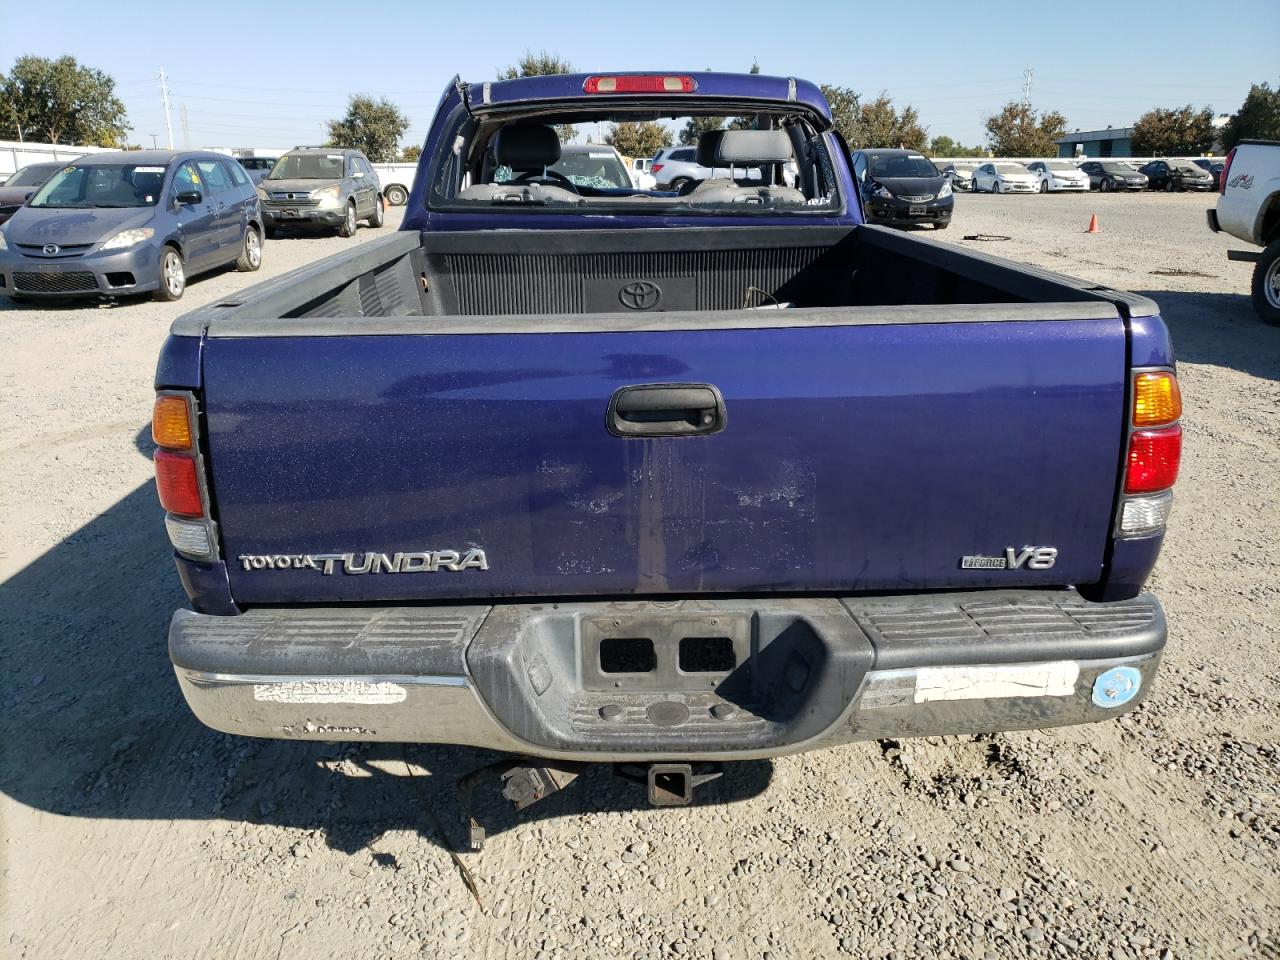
1249, 209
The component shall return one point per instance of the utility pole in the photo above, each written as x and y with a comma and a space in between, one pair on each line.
164, 97
1027, 76
154, 145
186, 133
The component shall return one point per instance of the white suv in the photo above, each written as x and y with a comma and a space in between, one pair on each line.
1249, 210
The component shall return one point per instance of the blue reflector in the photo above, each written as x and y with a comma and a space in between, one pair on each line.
1116, 687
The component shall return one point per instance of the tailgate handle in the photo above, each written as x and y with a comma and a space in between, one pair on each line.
666, 410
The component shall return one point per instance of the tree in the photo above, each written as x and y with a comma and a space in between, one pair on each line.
1257, 119
410, 154
642, 139
846, 112
372, 126
542, 64
695, 127
61, 102
1185, 130
884, 126
943, 146
1019, 131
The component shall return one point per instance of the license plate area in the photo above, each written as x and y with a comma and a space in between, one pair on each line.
289, 212
917, 210
664, 652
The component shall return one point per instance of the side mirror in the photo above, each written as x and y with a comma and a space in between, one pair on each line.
190, 197
359, 174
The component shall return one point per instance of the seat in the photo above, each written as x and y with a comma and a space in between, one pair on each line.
747, 148
528, 149
708, 144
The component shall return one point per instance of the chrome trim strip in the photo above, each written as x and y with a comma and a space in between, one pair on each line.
426, 680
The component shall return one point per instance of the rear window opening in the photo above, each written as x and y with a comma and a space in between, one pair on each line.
707, 655
559, 157
627, 655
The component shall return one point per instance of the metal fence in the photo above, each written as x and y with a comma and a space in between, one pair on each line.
14, 154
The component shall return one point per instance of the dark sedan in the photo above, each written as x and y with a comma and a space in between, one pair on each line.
1108, 175
22, 184
900, 187
1171, 175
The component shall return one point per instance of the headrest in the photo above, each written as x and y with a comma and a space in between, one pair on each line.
753, 146
526, 146
708, 144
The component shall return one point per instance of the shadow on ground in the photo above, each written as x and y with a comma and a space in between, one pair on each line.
94, 724
1220, 329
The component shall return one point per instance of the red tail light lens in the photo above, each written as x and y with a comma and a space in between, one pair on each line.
177, 484
639, 84
1226, 171
1154, 456
656, 167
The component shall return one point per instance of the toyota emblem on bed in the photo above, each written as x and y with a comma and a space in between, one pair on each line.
427, 561
640, 295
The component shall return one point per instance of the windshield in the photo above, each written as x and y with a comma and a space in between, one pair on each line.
103, 185
30, 176
587, 168
1011, 168
1190, 168
307, 166
890, 166
1060, 165
257, 163
1116, 167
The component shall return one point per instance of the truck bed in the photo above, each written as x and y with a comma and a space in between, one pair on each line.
892, 407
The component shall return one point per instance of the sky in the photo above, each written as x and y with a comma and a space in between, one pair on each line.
254, 74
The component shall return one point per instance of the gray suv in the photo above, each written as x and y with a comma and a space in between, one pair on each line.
321, 187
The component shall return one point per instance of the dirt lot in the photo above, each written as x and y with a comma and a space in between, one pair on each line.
131, 831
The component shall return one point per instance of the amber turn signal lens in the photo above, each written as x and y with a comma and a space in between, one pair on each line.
171, 423
1156, 399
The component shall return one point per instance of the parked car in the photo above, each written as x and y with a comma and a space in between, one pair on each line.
673, 167
1249, 210
1180, 175
1004, 176
1214, 167
960, 175
898, 505
257, 167
1059, 175
1109, 175
593, 165
321, 187
24, 182
397, 181
900, 187
111, 224
641, 178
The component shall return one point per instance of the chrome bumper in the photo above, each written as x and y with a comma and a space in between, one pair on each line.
809, 673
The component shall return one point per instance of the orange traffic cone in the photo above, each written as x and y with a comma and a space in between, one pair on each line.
1093, 225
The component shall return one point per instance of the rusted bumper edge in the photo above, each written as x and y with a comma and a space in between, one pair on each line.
782, 676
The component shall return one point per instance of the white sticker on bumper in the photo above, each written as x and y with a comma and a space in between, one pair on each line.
997, 682
329, 691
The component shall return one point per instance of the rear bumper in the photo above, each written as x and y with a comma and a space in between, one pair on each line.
805, 673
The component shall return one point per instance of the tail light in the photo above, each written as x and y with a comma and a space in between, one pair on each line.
180, 477
640, 84
1226, 171
656, 167
1154, 453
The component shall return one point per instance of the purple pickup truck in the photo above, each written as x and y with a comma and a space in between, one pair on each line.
582, 472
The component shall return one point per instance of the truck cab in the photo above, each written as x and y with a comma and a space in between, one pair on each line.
1249, 209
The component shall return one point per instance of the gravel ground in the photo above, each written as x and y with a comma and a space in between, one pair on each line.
131, 831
